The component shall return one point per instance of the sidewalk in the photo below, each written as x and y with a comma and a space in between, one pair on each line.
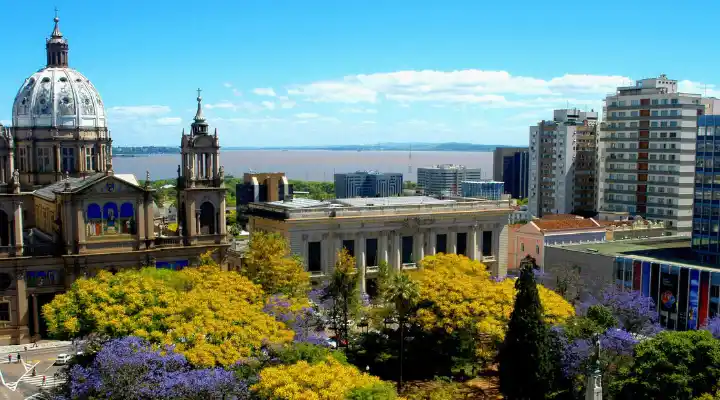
43, 344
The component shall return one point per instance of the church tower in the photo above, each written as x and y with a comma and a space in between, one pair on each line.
201, 191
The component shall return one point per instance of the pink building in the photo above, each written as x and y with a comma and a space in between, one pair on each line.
530, 239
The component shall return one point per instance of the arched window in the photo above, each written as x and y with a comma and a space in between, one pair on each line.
207, 218
127, 215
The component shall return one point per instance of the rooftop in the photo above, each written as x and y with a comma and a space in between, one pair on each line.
391, 201
78, 183
666, 249
565, 224
446, 166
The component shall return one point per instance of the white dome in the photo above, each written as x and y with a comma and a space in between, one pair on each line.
58, 97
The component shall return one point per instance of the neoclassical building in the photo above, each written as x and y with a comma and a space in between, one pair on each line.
64, 212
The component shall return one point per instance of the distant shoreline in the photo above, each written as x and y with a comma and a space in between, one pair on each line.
159, 153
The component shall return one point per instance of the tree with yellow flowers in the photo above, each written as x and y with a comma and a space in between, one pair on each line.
211, 316
269, 263
458, 294
325, 380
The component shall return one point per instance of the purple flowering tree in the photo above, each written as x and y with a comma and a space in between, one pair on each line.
713, 325
129, 368
306, 322
636, 313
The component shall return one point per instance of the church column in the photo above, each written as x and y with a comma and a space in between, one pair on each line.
140, 216
431, 243
18, 227
472, 243
452, 241
208, 166
216, 166
223, 218
22, 303
149, 220
36, 316
383, 247
419, 247
56, 154
395, 255
360, 260
197, 223
81, 223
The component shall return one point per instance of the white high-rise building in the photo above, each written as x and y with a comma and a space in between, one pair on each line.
562, 163
647, 152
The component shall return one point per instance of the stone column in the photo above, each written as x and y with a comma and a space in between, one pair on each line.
58, 159
22, 305
216, 166
431, 243
360, 260
383, 248
452, 241
395, 251
208, 166
80, 212
18, 227
472, 243
223, 220
149, 220
419, 247
198, 230
36, 316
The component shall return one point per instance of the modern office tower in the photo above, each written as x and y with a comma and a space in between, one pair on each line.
368, 184
562, 164
510, 165
489, 190
445, 179
647, 152
706, 214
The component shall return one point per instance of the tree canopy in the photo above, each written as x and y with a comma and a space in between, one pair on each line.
325, 380
269, 263
212, 317
458, 293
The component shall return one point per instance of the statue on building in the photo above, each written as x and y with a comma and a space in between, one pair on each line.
593, 386
221, 174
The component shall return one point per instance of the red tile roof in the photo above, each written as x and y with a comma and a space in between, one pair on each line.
565, 224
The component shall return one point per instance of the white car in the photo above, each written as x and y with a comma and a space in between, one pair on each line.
62, 359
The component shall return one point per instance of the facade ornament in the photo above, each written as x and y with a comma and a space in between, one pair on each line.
178, 171
147, 178
593, 387
221, 173
16, 177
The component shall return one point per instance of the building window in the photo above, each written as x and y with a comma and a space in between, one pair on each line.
537, 249
349, 246
441, 243
5, 311
109, 219
314, 256
43, 155
371, 248
90, 159
461, 244
407, 249
68, 159
487, 245
522, 246
22, 159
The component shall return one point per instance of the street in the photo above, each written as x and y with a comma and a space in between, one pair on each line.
16, 377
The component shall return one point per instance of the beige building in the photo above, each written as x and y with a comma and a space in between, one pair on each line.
65, 214
396, 230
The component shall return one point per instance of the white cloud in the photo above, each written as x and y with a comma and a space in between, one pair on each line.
307, 115
236, 92
708, 90
227, 84
264, 92
369, 122
166, 121
463, 86
222, 104
359, 111
139, 111
268, 104
5, 122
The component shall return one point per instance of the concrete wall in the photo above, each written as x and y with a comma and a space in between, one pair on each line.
588, 273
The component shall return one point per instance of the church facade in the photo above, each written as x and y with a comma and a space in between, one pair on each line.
64, 212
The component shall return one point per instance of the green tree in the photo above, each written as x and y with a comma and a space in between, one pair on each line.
344, 292
526, 356
672, 366
402, 292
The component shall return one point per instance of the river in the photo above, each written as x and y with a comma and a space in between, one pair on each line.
311, 165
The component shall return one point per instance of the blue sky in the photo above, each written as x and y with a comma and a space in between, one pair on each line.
352, 72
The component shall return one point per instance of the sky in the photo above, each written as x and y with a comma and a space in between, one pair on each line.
328, 72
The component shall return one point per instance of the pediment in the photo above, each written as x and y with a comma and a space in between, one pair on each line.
112, 185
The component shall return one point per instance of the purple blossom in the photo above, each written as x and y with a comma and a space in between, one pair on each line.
306, 322
130, 368
635, 313
365, 299
713, 325
577, 355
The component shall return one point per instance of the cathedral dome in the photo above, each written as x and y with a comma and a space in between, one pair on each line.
57, 95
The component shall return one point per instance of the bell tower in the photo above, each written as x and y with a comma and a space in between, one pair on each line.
201, 188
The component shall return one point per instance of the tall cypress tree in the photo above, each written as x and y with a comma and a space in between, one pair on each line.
526, 355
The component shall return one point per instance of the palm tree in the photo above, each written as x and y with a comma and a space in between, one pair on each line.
401, 292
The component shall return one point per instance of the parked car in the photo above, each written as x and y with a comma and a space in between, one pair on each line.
62, 359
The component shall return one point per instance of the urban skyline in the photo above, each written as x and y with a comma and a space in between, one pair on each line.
372, 76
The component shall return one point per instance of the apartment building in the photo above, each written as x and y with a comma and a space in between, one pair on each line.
445, 179
562, 168
647, 152
368, 184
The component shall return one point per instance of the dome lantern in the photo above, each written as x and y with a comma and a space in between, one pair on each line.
57, 46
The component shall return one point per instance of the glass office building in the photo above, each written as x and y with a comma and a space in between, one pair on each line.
706, 210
